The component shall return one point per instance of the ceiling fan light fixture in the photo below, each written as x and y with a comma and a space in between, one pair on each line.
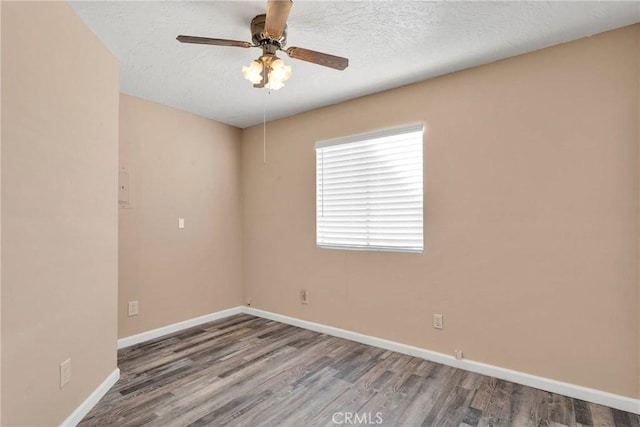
267, 71
253, 72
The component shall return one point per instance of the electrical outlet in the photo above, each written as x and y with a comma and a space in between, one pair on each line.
133, 308
181, 223
437, 321
458, 354
304, 297
65, 372
249, 302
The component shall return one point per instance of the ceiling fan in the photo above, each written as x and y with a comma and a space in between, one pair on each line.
269, 32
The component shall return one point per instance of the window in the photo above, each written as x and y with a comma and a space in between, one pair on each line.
369, 191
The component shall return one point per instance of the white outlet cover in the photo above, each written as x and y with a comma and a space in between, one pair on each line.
132, 308
180, 222
65, 372
437, 321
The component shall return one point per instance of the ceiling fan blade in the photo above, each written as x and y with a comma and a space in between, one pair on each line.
277, 14
331, 61
215, 42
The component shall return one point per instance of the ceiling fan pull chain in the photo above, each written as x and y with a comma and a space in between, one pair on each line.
264, 129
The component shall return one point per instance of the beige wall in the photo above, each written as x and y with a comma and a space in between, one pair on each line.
182, 166
531, 217
59, 218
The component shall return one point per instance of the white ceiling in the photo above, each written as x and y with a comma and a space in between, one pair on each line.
388, 43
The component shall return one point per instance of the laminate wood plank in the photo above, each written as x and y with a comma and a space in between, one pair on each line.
215, 348
398, 403
315, 403
582, 412
199, 390
139, 419
498, 408
348, 401
525, 406
203, 341
359, 366
421, 402
306, 399
379, 375
126, 412
621, 419
549, 423
601, 416
237, 319
454, 409
483, 395
281, 383
232, 409
380, 380
402, 373
561, 408
471, 416
446, 394
249, 371
425, 368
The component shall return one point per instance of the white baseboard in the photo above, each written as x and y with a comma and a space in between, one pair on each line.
579, 392
169, 329
91, 401
572, 390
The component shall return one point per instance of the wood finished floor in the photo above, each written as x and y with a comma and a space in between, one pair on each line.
249, 371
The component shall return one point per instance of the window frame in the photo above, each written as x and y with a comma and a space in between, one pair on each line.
362, 137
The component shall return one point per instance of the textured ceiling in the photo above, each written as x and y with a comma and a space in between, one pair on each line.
389, 44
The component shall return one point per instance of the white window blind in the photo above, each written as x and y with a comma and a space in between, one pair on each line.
369, 191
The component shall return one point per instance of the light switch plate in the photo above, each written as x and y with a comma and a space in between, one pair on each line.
180, 222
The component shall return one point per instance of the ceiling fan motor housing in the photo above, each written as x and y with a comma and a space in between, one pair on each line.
260, 37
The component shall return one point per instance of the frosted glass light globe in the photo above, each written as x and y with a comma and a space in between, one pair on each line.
253, 72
